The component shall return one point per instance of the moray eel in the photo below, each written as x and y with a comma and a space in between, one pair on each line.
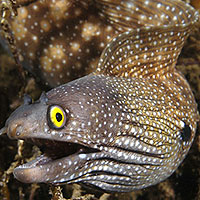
130, 123
59, 41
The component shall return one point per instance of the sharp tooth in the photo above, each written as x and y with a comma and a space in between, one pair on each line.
41, 160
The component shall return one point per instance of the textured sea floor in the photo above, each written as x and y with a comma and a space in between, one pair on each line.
183, 184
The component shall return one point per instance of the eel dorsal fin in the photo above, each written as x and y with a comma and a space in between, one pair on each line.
152, 46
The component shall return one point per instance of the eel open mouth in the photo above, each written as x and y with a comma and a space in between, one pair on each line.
56, 164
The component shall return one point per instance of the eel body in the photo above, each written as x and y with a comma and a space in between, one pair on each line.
130, 123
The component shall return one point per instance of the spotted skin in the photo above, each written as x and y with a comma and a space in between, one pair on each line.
131, 122
60, 40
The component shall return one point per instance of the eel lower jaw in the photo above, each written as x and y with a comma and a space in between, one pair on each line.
57, 164
30, 172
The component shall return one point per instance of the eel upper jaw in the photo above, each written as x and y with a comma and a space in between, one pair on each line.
57, 164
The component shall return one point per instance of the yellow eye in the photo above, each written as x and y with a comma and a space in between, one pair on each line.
56, 117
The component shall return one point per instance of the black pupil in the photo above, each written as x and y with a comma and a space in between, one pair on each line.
58, 117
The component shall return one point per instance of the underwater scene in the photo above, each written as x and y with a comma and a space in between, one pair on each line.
99, 99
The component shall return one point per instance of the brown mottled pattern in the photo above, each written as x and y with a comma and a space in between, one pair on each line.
130, 123
60, 40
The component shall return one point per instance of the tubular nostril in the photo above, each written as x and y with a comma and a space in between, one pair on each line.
3, 130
